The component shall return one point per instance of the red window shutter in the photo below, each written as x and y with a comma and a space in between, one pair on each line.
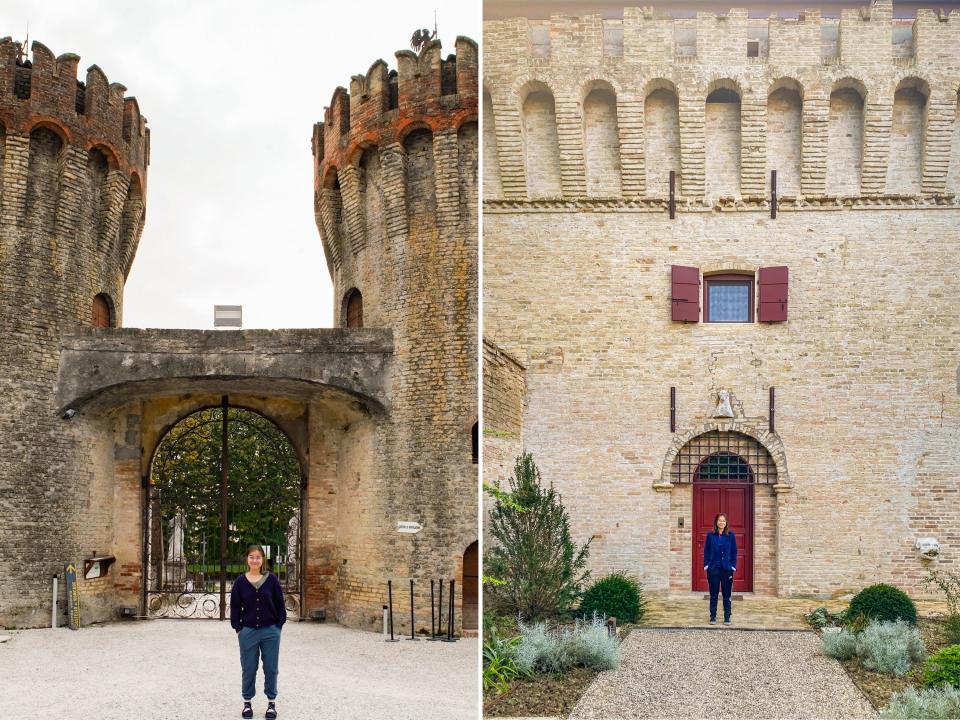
773, 294
685, 286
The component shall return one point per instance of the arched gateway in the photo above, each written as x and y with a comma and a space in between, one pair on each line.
724, 469
221, 478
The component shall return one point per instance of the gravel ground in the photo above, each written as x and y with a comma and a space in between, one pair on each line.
723, 673
191, 669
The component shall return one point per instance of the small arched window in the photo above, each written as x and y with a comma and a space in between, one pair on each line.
101, 312
353, 309
475, 443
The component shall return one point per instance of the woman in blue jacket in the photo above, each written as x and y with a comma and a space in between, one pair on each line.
257, 612
720, 562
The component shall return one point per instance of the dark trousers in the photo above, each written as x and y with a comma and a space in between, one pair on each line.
720, 578
256, 643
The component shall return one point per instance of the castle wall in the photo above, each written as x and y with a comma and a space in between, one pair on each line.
859, 126
70, 152
407, 241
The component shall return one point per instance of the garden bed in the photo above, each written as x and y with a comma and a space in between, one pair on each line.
880, 687
541, 695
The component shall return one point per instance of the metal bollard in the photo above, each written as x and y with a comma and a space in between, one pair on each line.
434, 623
450, 637
386, 623
390, 601
412, 625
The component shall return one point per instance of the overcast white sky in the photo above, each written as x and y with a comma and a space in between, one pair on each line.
231, 91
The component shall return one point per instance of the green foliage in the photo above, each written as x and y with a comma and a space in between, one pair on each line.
533, 553
883, 602
951, 629
942, 703
949, 585
616, 595
500, 664
264, 484
839, 643
821, 618
502, 496
586, 644
890, 647
943, 668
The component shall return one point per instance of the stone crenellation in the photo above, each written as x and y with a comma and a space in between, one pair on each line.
73, 170
587, 108
396, 195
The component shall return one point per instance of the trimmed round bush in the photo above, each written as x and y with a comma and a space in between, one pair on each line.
943, 668
883, 602
616, 595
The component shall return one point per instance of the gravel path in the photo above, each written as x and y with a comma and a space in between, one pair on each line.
723, 674
187, 669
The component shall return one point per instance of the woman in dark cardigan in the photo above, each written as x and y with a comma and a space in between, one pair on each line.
720, 562
257, 613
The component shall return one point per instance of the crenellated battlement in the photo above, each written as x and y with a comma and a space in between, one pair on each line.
391, 112
90, 113
863, 106
382, 104
861, 36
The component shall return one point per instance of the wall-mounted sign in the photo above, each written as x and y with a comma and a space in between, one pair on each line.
92, 570
409, 527
73, 597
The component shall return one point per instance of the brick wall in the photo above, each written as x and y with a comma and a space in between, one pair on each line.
580, 292
71, 206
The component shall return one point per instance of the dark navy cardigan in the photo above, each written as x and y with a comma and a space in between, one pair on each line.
720, 551
250, 607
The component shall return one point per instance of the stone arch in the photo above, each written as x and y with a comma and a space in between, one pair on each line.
351, 312
661, 135
492, 182
845, 136
421, 191
770, 441
108, 152
785, 134
907, 136
104, 312
57, 128
722, 138
601, 139
541, 142
953, 171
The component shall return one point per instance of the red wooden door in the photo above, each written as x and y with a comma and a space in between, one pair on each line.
735, 500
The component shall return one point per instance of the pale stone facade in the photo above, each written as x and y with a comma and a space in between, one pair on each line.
862, 130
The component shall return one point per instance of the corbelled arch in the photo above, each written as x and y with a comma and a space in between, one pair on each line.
771, 442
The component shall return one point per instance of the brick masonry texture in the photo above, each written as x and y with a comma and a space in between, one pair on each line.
396, 198
72, 190
380, 417
577, 287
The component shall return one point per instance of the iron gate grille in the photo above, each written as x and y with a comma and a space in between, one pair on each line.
202, 510
723, 456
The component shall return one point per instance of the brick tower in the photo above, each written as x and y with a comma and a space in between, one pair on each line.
73, 159
395, 167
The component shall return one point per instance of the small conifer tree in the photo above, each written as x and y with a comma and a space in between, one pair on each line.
540, 569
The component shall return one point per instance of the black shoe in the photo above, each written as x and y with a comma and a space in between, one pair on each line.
271, 713
247, 710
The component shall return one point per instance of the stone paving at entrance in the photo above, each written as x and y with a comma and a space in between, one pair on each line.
190, 669
692, 610
722, 674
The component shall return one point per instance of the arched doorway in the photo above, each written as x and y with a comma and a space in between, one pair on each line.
723, 483
221, 478
471, 587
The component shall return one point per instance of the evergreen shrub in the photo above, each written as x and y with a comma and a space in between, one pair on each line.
943, 668
883, 602
616, 595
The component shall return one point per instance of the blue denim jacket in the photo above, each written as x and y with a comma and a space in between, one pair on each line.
720, 551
